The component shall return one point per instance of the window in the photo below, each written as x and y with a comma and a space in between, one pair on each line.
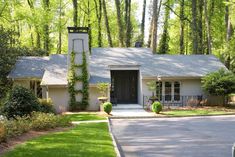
176, 91
159, 90
36, 88
167, 91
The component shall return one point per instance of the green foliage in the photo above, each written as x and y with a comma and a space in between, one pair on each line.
9, 53
157, 107
219, 83
20, 102
46, 105
17, 126
37, 121
107, 107
103, 88
73, 78
45, 121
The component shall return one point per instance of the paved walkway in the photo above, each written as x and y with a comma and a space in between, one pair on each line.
175, 137
130, 110
89, 121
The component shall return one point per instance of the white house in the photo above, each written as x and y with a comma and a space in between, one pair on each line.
127, 70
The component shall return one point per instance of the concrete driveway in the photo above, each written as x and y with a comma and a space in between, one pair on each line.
175, 137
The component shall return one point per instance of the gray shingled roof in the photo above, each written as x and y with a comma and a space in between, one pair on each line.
102, 58
29, 67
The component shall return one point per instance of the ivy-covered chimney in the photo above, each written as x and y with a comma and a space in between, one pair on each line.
78, 67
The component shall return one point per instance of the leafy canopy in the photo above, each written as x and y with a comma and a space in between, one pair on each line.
221, 82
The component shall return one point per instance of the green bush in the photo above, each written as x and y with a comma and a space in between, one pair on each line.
38, 121
20, 102
157, 107
17, 126
45, 121
46, 105
107, 107
219, 83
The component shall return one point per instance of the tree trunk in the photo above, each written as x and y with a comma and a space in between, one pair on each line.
75, 13
38, 40
107, 24
154, 27
150, 34
194, 27
46, 8
98, 9
128, 23
119, 22
143, 22
229, 33
182, 23
164, 42
200, 28
60, 31
207, 28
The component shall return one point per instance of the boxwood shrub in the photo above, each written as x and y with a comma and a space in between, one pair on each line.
107, 107
157, 107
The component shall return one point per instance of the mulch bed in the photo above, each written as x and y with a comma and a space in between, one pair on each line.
12, 142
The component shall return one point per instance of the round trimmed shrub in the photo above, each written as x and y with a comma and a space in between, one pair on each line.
157, 107
107, 107
20, 102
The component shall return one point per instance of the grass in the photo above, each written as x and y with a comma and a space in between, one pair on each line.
84, 140
83, 116
197, 111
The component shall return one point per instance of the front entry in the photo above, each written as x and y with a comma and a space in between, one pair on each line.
124, 86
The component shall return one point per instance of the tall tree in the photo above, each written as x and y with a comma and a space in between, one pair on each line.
98, 8
143, 22
155, 16
164, 42
107, 24
119, 22
75, 13
194, 27
182, 24
46, 34
208, 28
38, 36
229, 33
128, 22
200, 27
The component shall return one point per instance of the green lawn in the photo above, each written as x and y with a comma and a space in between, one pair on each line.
84, 140
83, 116
193, 112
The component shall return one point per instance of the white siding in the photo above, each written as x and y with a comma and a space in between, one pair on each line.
191, 87
60, 98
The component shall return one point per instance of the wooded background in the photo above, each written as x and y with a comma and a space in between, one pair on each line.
39, 27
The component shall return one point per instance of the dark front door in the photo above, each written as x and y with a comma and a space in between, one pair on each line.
124, 86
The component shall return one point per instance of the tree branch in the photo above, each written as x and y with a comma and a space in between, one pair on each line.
185, 18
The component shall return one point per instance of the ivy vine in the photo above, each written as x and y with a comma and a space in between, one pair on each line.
73, 78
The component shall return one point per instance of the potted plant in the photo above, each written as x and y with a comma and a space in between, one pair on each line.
103, 87
152, 86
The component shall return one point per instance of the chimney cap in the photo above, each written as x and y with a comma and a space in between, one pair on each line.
78, 29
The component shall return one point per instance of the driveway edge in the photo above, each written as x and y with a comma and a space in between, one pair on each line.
113, 139
167, 116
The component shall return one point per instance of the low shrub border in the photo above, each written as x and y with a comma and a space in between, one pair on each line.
37, 121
